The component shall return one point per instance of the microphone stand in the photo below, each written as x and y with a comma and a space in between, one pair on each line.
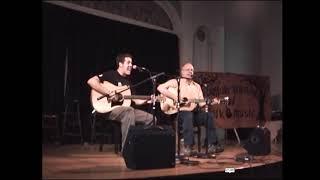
154, 80
206, 155
183, 159
139, 83
154, 90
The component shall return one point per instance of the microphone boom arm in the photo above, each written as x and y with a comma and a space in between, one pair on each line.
139, 83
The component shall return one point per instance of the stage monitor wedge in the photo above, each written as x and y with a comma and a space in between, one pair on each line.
149, 148
259, 142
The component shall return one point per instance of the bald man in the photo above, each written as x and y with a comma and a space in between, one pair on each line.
189, 113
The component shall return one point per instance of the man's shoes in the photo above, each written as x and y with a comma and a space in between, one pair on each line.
188, 150
212, 149
219, 148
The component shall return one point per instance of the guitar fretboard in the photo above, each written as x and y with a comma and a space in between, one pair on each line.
137, 97
204, 100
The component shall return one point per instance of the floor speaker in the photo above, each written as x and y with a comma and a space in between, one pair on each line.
149, 148
259, 142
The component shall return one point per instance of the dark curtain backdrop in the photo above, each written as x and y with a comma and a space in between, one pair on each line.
92, 44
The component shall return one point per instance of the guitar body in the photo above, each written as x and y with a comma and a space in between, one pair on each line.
105, 105
168, 106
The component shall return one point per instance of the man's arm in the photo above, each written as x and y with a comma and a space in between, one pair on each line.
201, 104
163, 89
95, 84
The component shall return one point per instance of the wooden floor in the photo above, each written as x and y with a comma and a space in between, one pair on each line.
86, 162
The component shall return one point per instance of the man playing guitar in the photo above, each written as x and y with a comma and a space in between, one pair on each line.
190, 96
116, 104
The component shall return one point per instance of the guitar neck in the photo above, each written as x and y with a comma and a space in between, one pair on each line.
204, 100
137, 97
197, 100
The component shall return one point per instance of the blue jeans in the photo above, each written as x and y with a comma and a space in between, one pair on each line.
188, 119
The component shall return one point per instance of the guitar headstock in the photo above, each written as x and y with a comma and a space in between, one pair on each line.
225, 100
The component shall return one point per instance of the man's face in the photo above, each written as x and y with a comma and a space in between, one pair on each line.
126, 66
187, 71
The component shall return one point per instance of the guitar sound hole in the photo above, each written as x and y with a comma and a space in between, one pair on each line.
117, 98
184, 100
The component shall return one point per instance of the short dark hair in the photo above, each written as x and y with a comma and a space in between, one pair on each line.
121, 57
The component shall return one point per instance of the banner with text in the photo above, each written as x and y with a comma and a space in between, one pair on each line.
249, 98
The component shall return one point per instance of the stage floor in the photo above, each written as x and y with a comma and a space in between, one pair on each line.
86, 162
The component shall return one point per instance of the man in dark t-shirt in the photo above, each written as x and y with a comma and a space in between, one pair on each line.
114, 81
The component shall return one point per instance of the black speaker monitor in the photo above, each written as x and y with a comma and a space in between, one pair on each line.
259, 142
149, 148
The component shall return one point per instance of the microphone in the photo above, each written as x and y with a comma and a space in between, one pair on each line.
139, 68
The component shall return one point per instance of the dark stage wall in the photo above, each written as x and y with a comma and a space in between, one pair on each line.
90, 44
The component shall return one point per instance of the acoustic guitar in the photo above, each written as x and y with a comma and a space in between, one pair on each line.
169, 106
116, 98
